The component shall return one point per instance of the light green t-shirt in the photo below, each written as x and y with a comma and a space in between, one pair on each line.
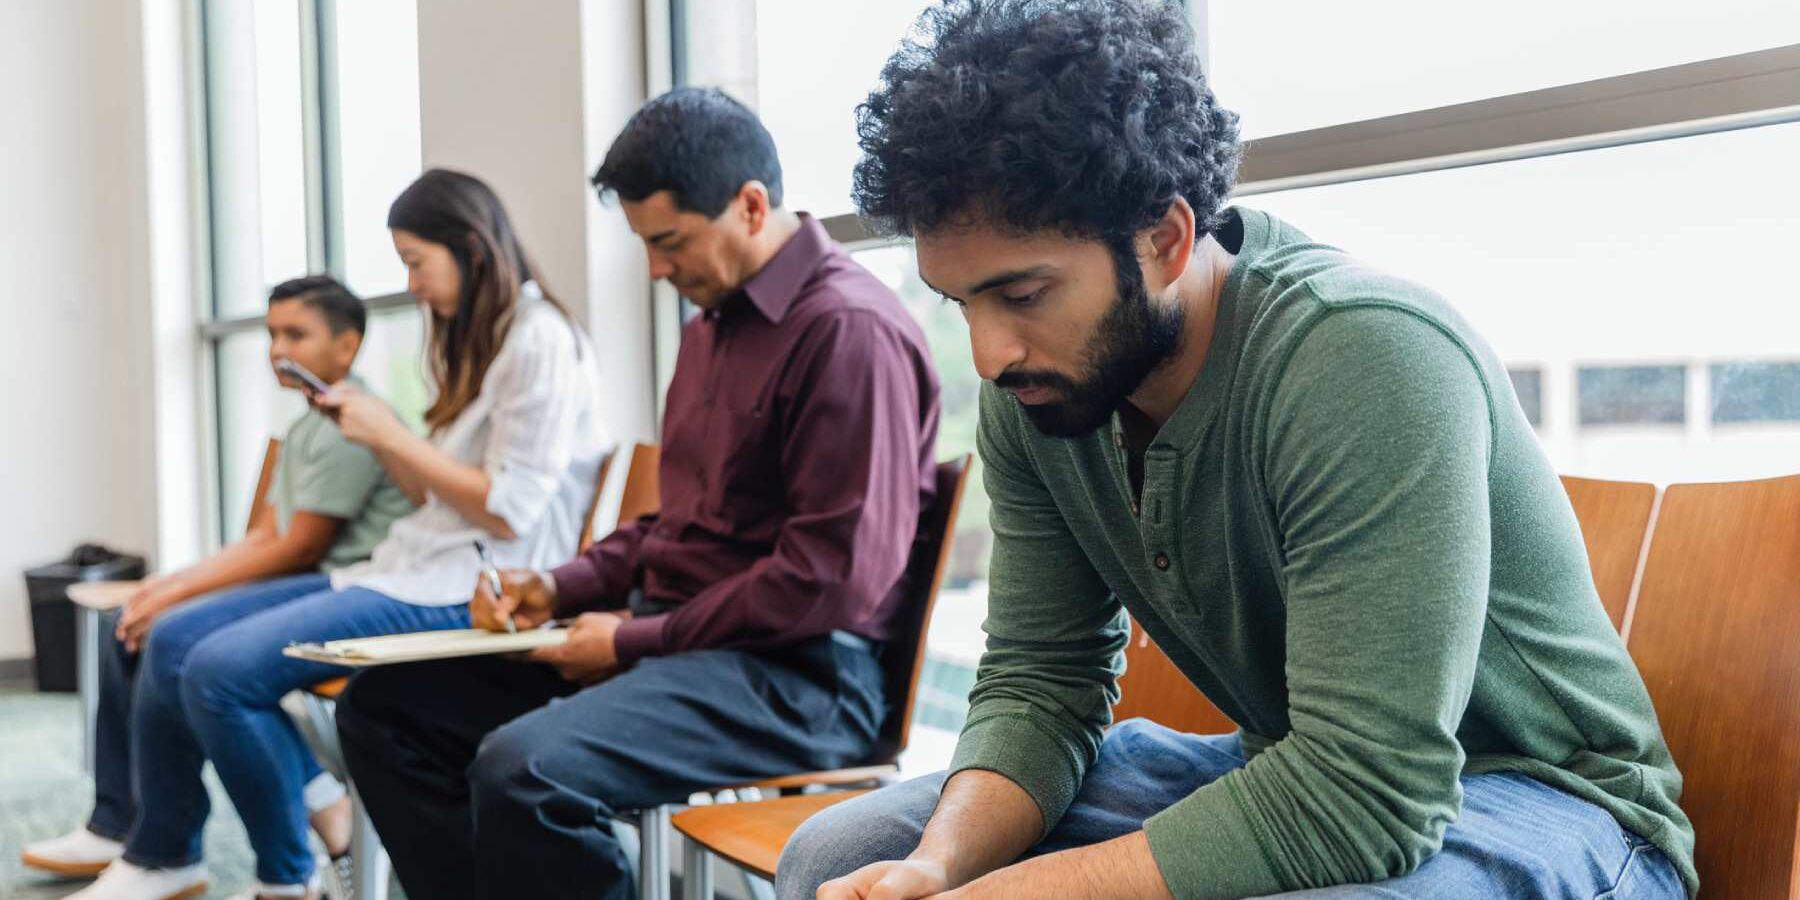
320, 472
1349, 538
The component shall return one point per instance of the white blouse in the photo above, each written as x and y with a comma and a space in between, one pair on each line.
535, 427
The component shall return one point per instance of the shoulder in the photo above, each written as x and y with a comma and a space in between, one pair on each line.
540, 337
314, 440
849, 307
538, 325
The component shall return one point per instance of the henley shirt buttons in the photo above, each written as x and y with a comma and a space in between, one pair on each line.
1118, 440
1162, 561
1134, 509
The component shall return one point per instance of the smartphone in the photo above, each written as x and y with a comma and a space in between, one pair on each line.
310, 385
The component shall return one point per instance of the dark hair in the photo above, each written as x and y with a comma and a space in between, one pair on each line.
465, 216
696, 143
1088, 117
342, 310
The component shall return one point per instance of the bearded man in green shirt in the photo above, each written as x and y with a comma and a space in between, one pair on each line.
1308, 479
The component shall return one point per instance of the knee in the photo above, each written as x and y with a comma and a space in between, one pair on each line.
505, 764
164, 654
845, 838
216, 676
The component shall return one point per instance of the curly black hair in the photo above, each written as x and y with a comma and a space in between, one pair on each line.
1088, 117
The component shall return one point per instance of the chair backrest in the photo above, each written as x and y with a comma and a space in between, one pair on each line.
642, 495
1152, 688
593, 507
265, 479
1615, 520
903, 656
1716, 634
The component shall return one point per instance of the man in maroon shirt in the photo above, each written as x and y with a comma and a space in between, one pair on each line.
735, 635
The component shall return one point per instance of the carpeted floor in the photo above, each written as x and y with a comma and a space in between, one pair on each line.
44, 792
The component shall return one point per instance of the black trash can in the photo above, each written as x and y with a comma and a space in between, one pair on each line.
53, 616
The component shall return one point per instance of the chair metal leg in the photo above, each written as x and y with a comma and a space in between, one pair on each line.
756, 888
373, 867
320, 730
653, 853
87, 678
696, 871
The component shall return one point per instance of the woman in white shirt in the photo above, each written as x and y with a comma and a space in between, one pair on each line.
511, 456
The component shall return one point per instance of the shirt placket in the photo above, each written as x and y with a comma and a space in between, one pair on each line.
709, 401
1158, 521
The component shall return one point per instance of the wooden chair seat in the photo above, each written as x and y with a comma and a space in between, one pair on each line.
751, 835
829, 778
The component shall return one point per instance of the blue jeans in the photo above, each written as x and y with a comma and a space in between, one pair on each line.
209, 688
115, 809
1516, 837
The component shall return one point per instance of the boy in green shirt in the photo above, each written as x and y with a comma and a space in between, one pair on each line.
330, 502
1308, 480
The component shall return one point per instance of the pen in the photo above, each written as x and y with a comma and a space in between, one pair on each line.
493, 579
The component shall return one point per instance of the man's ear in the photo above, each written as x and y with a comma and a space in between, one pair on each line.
1167, 247
753, 196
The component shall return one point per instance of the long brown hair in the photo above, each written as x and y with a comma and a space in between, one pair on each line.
463, 214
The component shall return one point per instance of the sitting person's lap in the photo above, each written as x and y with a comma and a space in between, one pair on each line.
176, 632
1515, 837
228, 645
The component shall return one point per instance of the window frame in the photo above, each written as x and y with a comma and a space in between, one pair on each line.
214, 89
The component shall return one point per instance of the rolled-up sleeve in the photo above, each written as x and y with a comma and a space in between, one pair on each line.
539, 393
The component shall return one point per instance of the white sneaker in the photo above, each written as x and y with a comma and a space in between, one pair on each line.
340, 877
78, 854
124, 881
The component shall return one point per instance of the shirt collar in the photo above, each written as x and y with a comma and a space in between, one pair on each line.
773, 288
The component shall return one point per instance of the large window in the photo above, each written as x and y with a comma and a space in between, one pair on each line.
1611, 234
1291, 65
1623, 276
312, 127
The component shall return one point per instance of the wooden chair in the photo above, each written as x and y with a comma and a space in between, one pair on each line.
750, 836
93, 599
317, 719
1716, 634
902, 661
1615, 523
642, 495
1152, 688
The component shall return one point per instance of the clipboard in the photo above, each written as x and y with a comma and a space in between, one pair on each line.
424, 645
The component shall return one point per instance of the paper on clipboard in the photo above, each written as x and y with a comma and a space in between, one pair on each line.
424, 645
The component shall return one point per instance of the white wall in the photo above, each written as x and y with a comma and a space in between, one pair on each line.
77, 456
527, 96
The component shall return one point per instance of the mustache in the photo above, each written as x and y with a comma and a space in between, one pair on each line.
1019, 379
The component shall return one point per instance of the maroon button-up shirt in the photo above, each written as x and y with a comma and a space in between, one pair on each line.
797, 455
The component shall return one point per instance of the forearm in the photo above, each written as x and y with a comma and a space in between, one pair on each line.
406, 479
1119, 869
983, 822
410, 458
254, 558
